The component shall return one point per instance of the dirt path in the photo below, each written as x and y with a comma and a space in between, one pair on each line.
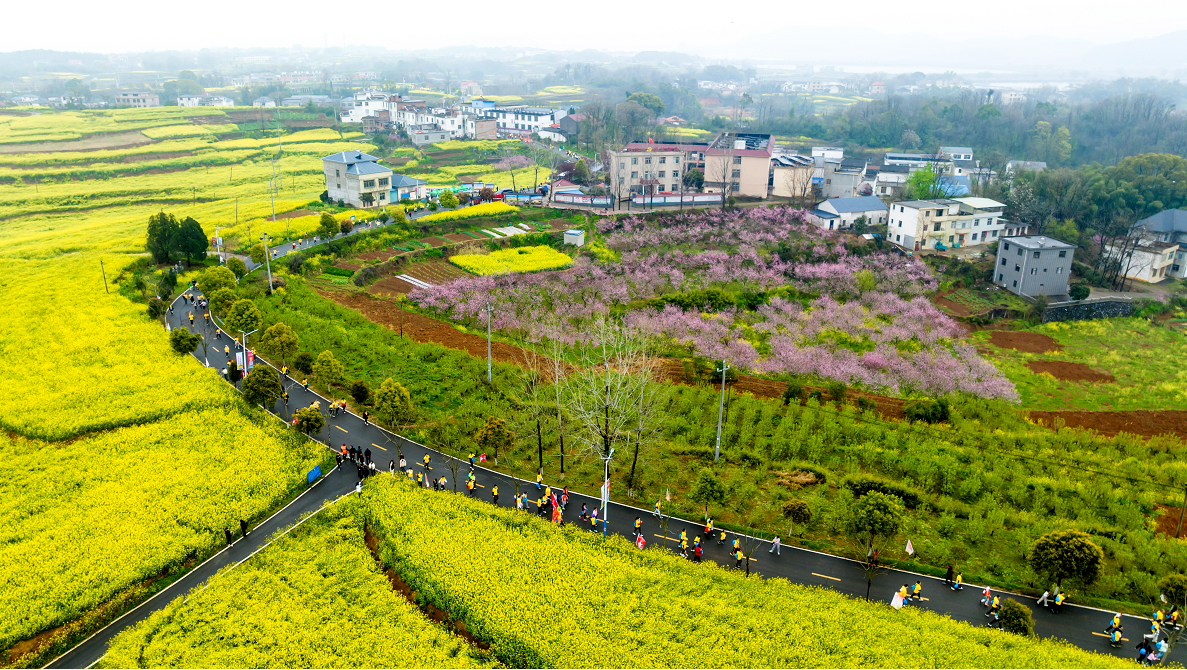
423, 329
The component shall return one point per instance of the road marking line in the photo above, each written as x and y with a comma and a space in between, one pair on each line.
377, 446
817, 574
1124, 639
345, 431
667, 538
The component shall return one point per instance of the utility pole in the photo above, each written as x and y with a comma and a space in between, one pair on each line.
720, 411
489, 309
267, 258
108, 289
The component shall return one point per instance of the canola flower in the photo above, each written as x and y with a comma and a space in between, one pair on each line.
313, 599
86, 519
515, 259
598, 603
485, 209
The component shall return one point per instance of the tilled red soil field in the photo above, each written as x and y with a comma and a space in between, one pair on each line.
1029, 343
1071, 372
433, 272
390, 286
1144, 422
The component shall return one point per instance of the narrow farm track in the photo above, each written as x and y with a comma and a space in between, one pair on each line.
1078, 625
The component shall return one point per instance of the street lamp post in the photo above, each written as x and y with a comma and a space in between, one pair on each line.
267, 260
489, 308
243, 343
606, 492
218, 243
720, 410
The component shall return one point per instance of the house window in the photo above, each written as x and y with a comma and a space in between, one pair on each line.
737, 174
622, 166
994, 233
634, 175
898, 238
1059, 270
337, 174
675, 174
1063, 253
737, 160
337, 185
1000, 276
939, 212
1036, 254
974, 237
976, 222
735, 186
1017, 268
382, 195
663, 160
647, 160
662, 174
1034, 271
676, 160
938, 225
950, 237
1003, 261
1020, 252
1015, 283
1006, 246
383, 182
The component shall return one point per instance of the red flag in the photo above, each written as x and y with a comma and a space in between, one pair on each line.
650, 140
556, 510
640, 542
482, 458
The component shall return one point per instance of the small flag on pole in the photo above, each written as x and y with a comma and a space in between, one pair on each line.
668, 495
640, 542
556, 510
910, 549
606, 492
482, 458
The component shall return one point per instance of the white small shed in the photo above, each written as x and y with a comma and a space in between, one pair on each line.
575, 237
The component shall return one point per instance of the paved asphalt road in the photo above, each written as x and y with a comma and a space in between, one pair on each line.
1081, 626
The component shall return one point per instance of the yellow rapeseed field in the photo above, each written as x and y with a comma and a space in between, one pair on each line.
515, 259
313, 599
124, 458
632, 608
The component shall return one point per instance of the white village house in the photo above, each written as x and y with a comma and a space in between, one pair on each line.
357, 179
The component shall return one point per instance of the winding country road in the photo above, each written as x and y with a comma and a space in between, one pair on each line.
1082, 626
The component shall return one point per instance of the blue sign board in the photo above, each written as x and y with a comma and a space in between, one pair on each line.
314, 474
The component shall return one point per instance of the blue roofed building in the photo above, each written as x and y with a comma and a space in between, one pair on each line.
844, 211
357, 179
408, 188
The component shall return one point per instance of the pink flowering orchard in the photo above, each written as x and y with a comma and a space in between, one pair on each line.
826, 310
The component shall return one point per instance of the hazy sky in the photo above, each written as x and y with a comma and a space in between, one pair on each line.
696, 26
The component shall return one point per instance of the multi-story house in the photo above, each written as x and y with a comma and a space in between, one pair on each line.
357, 179
943, 223
739, 164
1169, 225
656, 169
523, 120
1032, 265
137, 99
791, 177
